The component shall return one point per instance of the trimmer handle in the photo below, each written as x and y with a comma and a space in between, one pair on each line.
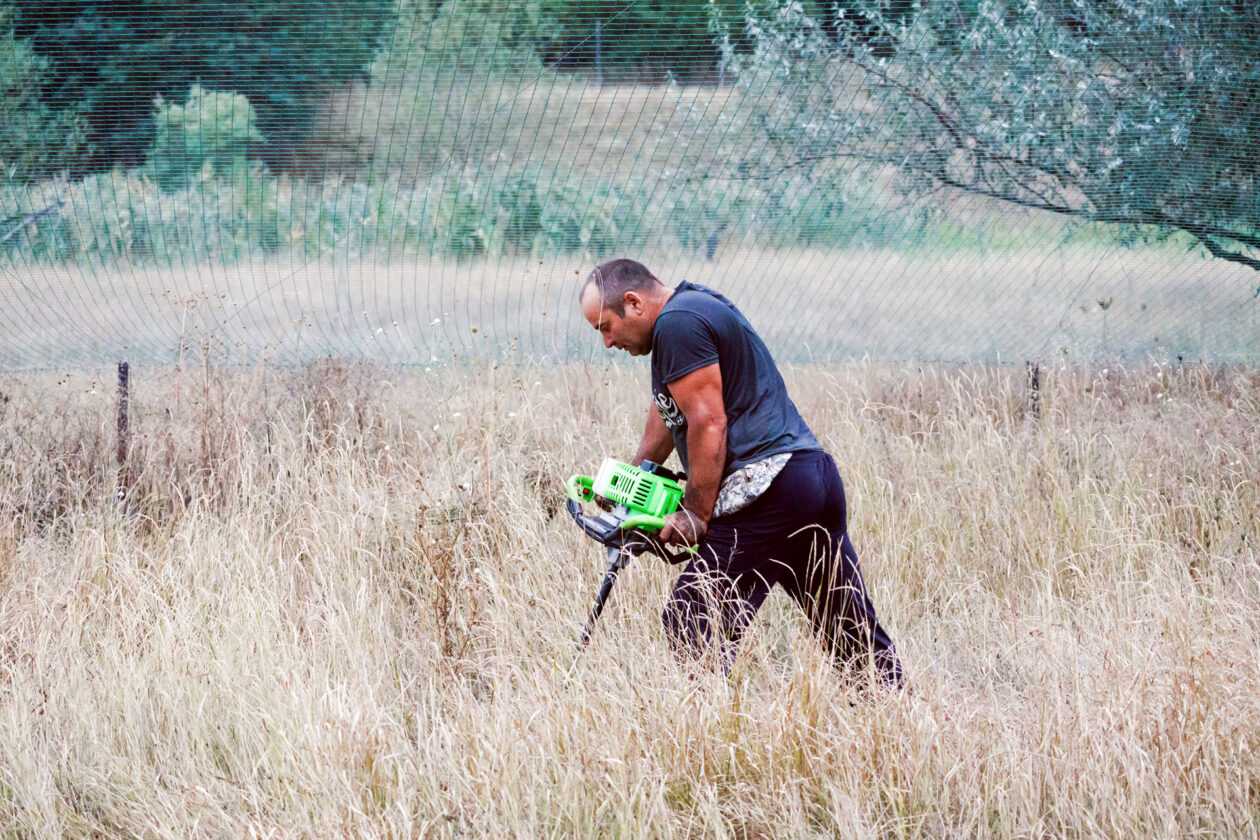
651, 526
643, 522
664, 472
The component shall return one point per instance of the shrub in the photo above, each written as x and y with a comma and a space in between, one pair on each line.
211, 133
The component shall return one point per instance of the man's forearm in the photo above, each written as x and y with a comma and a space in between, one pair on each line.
706, 456
657, 442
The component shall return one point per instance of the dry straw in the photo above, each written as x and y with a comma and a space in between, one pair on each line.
341, 602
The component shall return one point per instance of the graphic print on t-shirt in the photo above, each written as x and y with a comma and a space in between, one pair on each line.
669, 411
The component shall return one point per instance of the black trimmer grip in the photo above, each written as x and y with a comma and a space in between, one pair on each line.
663, 472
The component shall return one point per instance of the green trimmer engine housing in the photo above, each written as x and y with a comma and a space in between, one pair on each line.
649, 492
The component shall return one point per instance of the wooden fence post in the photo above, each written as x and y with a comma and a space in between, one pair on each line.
124, 431
1033, 373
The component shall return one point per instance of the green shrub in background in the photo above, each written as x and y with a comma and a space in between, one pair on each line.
209, 136
523, 210
119, 216
112, 59
36, 140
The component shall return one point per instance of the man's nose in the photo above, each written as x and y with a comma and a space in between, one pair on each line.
607, 341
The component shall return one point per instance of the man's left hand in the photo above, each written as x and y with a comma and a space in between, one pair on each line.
682, 527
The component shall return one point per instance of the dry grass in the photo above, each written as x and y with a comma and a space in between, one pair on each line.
340, 604
811, 305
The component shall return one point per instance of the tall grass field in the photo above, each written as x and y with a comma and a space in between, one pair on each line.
1076, 304
343, 601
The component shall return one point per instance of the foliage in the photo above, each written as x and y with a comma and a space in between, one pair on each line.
36, 140
211, 133
113, 59
473, 35
1143, 113
175, 209
649, 40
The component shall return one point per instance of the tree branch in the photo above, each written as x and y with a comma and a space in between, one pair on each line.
1208, 234
22, 222
1219, 251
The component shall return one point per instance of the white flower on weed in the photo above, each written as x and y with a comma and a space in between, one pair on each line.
436, 427
435, 322
511, 414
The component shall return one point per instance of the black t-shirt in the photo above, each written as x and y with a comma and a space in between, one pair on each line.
698, 327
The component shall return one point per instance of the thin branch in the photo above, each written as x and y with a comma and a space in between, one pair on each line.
1208, 235
1063, 210
22, 222
803, 160
1221, 252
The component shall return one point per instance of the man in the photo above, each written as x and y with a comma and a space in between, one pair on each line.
764, 504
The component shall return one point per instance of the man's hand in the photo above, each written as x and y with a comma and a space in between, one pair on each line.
682, 527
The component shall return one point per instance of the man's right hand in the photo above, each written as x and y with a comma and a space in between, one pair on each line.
683, 528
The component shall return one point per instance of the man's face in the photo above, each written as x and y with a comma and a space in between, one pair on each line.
631, 332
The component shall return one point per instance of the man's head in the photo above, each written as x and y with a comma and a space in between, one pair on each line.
621, 300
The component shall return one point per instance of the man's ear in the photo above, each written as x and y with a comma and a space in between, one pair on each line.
633, 302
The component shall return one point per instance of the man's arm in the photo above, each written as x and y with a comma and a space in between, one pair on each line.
699, 397
657, 442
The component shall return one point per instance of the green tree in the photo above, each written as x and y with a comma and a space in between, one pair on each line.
113, 59
36, 140
1140, 113
646, 39
643, 40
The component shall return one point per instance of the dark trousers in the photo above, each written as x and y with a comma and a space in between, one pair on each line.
794, 535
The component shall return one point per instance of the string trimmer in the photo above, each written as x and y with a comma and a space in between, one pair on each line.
640, 499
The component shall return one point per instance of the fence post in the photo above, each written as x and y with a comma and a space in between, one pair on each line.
1033, 375
124, 431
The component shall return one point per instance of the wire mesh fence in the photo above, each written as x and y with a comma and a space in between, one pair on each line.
421, 182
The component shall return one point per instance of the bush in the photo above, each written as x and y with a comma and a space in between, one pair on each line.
211, 134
